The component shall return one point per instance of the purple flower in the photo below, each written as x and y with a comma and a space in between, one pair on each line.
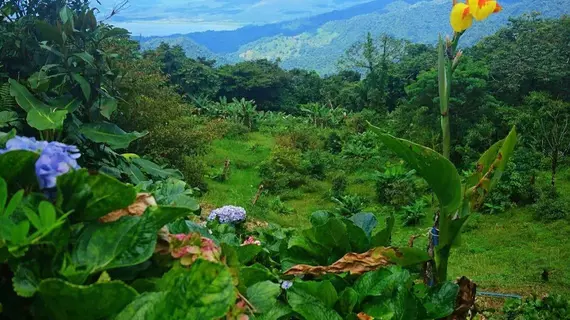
24, 143
286, 285
55, 158
228, 214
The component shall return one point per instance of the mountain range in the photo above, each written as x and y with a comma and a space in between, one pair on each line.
319, 41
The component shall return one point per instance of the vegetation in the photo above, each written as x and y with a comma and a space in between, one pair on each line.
155, 186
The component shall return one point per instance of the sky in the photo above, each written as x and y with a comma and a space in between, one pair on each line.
164, 17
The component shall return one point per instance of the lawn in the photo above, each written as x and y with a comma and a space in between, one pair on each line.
505, 252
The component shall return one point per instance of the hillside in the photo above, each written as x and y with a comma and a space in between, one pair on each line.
317, 42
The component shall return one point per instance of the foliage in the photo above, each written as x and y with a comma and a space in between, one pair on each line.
282, 170
395, 186
413, 214
551, 206
549, 307
349, 205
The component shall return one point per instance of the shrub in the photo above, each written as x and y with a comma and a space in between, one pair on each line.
282, 170
349, 205
551, 206
300, 137
396, 186
550, 307
413, 214
333, 144
280, 207
361, 146
315, 163
339, 184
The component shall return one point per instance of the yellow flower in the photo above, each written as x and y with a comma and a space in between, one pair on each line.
460, 17
482, 9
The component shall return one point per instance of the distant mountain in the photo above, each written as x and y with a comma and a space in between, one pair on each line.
318, 42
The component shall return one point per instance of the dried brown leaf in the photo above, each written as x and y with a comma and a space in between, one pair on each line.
143, 201
465, 299
355, 263
364, 316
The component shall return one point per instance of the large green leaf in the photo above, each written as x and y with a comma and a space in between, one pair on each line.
174, 192
440, 301
440, 173
155, 170
383, 237
205, 291
126, 242
5, 137
110, 134
313, 301
40, 115
348, 300
253, 274
263, 295
366, 221
92, 196
83, 84
278, 311
357, 238
97, 301
248, 252
144, 307
17, 168
7, 117
401, 305
25, 281
107, 106
381, 282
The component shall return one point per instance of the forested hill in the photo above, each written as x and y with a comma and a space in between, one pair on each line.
318, 42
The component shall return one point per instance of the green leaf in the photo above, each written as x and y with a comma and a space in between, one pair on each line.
3, 195
25, 282
19, 233
441, 299
33, 217
333, 235
110, 134
319, 218
324, 291
357, 237
408, 256
402, 305
440, 173
263, 295
309, 305
48, 32
155, 170
144, 307
85, 56
92, 196
205, 291
14, 203
107, 107
126, 242
365, 221
96, 301
40, 115
66, 15
7, 117
39, 81
348, 300
381, 282
47, 214
383, 237
5, 136
84, 84
248, 253
46, 120
278, 311
253, 274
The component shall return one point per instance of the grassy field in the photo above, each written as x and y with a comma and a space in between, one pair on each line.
504, 252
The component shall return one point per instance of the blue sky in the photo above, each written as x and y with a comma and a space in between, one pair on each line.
163, 17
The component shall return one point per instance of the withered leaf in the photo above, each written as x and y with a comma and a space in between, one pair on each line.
355, 263
364, 316
143, 201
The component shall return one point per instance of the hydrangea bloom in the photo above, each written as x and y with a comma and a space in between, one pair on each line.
55, 158
228, 214
190, 247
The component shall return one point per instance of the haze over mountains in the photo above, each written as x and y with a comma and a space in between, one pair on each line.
317, 42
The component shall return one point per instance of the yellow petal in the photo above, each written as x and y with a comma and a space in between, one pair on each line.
482, 9
460, 17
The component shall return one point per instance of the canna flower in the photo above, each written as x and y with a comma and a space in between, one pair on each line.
460, 18
482, 9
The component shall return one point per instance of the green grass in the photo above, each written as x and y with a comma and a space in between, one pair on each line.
501, 253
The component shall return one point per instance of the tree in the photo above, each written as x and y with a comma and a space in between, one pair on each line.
374, 58
546, 121
261, 80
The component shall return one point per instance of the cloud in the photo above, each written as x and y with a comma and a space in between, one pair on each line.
184, 16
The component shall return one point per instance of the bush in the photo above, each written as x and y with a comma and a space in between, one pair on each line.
551, 207
550, 307
280, 207
361, 146
339, 184
282, 170
333, 144
396, 186
349, 205
315, 163
301, 137
413, 214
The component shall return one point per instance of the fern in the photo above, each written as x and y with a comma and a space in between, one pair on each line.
7, 102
